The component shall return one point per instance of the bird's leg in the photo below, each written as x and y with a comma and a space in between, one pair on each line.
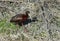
25, 29
17, 27
22, 24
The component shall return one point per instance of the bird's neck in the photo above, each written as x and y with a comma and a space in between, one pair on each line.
27, 14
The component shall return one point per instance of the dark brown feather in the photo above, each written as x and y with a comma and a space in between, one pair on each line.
20, 18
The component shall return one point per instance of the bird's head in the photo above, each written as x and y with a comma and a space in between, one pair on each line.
27, 12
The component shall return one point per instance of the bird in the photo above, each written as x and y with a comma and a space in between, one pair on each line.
20, 18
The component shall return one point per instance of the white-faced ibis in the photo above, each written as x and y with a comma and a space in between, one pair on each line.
20, 18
